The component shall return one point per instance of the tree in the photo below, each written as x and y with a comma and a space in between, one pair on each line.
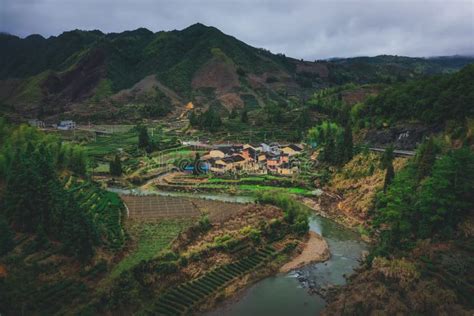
93, 164
6, 236
21, 190
432, 208
193, 119
77, 161
425, 158
196, 164
143, 137
79, 234
244, 116
446, 196
232, 114
210, 120
396, 209
348, 143
330, 136
387, 164
115, 166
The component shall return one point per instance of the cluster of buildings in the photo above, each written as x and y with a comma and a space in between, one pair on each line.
63, 125
253, 158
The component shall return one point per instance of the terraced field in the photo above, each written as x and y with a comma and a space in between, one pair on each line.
159, 207
106, 209
181, 299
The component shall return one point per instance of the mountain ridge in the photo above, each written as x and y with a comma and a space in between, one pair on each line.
77, 73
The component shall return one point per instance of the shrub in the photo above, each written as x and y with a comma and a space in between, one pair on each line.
253, 233
295, 214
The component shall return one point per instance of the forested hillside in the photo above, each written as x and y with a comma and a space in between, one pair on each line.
433, 100
404, 113
90, 75
54, 222
421, 223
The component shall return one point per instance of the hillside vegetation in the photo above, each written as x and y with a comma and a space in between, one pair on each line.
90, 75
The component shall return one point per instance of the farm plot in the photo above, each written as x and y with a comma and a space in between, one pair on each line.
218, 211
182, 299
159, 207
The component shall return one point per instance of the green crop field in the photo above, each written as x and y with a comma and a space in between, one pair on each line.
253, 188
181, 299
152, 238
109, 144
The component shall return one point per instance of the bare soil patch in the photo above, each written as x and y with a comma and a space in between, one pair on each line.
315, 249
156, 207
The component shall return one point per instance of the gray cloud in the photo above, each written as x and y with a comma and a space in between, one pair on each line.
298, 28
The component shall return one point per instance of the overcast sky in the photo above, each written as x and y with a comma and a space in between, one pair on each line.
301, 29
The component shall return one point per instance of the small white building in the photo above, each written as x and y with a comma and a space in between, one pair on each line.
67, 125
36, 123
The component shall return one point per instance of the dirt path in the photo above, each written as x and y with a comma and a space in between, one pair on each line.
316, 249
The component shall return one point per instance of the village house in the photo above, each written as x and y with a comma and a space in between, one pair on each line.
256, 147
250, 154
273, 161
36, 123
231, 163
67, 125
255, 159
225, 151
292, 150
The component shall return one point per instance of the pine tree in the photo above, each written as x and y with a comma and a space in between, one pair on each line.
6, 236
348, 143
387, 164
244, 118
396, 208
116, 167
446, 196
232, 114
193, 119
143, 138
78, 234
425, 158
21, 193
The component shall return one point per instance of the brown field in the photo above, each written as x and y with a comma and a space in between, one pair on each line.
159, 207
218, 211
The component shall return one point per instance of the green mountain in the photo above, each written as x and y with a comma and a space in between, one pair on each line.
89, 75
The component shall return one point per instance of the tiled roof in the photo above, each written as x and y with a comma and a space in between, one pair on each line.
294, 147
232, 159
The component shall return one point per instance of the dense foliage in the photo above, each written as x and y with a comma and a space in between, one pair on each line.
335, 142
296, 215
209, 120
116, 166
426, 202
91, 67
432, 100
36, 200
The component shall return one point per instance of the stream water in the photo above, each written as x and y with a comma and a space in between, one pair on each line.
287, 294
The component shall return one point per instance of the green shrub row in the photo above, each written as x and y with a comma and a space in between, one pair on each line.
106, 210
181, 299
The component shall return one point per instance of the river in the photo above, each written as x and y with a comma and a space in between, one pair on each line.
287, 294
